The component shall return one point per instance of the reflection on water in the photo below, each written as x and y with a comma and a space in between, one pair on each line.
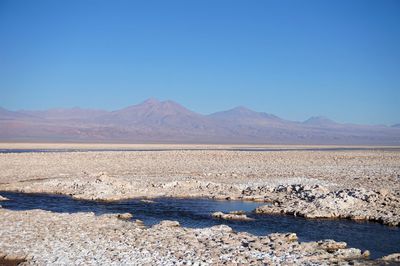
196, 213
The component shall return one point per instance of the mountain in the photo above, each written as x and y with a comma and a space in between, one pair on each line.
245, 116
11, 115
153, 112
65, 113
170, 122
396, 125
162, 120
319, 121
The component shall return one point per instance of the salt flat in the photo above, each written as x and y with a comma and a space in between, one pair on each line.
371, 169
359, 184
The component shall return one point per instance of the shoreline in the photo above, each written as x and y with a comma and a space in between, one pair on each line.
268, 206
136, 243
155, 198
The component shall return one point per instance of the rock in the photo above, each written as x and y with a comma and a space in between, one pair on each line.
291, 237
147, 201
317, 202
237, 212
231, 216
120, 216
384, 192
124, 216
3, 198
366, 253
348, 253
140, 224
222, 228
168, 223
392, 257
331, 245
269, 209
12, 259
15, 257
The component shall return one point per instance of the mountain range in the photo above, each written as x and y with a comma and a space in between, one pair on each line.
154, 121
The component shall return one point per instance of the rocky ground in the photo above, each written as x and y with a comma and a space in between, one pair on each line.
319, 202
45, 238
362, 184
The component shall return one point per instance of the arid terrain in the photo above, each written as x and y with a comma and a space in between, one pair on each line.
154, 121
358, 183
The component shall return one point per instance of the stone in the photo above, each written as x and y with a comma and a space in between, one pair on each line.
384, 192
124, 216
120, 216
168, 223
147, 201
354, 203
291, 237
237, 212
231, 216
331, 245
366, 253
392, 257
3, 198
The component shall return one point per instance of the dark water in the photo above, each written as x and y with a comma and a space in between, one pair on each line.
194, 149
195, 213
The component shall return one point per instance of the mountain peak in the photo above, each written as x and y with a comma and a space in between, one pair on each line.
155, 104
151, 100
244, 115
241, 109
319, 120
150, 111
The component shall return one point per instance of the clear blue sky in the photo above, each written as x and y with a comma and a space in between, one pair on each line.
338, 58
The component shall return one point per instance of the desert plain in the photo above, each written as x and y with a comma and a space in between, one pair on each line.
315, 182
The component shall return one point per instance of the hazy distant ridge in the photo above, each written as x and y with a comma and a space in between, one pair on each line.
168, 121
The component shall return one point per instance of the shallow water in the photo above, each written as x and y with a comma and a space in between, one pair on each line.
196, 213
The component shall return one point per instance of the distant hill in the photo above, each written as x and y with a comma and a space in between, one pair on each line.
319, 121
170, 122
153, 113
65, 113
10, 115
243, 115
